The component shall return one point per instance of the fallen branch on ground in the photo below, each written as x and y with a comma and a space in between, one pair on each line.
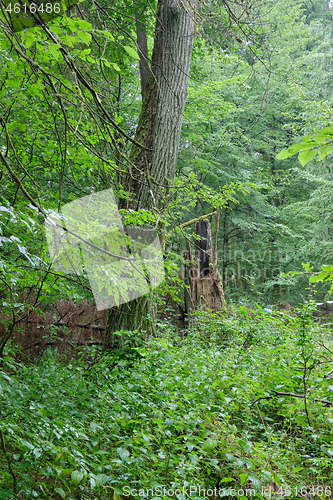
301, 396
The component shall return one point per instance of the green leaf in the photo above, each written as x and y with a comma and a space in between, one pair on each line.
29, 40
209, 444
60, 492
76, 477
53, 48
131, 52
109, 36
295, 148
116, 67
305, 156
255, 481
327, 269
243, 478
85, 37
85, 52
123, 453
284, 154
308, 143
306, 266
325, 133
106, 33
324, 151
83, 25
317, 278
227, 480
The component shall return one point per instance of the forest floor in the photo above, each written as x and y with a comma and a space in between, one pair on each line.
241, 406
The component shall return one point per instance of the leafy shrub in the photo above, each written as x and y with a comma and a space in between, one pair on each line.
241, 402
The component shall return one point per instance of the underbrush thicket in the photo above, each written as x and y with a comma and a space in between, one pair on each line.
239, 407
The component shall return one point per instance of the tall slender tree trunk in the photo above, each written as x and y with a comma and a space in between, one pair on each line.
153, 167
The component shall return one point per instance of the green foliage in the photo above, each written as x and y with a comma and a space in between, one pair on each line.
243, 400
311, 145
70, 102
215, 409
245, 104
324, 276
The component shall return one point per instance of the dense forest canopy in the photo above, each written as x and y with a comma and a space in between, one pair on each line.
260, 78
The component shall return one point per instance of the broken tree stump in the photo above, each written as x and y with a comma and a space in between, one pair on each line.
201, 273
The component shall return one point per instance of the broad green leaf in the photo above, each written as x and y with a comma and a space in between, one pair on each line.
255, 481
284, 154
60, 492
324, 151
82, 24
123, 453
76, 477
209, 444
243, 478
85, 37
327, 269
131, 52
85, 52
306, 156
308, 143
30, 39
295, 148
101, 479
325, 133
107, 34
306, 266
53, 48
318, 277
116, 67
70, 40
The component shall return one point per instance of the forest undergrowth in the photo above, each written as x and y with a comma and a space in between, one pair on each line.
240, 406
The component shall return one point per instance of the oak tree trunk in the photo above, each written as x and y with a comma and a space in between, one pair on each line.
152, 168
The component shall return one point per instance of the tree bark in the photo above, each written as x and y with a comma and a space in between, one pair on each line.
163, 105
141, 39
205, 281
153, 167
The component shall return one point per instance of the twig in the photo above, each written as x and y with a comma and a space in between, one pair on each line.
66, 323
54, 342
193, 221
8, 460
293, 395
